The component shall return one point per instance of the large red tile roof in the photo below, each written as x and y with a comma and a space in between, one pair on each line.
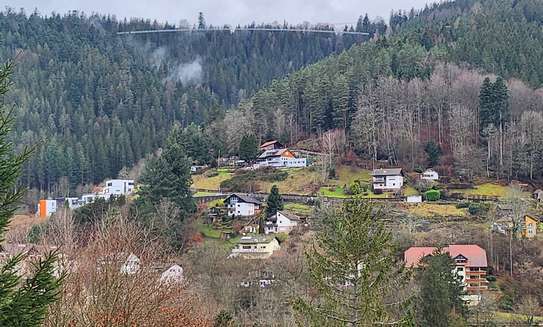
475, 254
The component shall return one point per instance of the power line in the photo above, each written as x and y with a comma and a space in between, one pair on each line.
190, 30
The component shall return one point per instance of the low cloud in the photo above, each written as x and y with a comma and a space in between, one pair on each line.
187, 73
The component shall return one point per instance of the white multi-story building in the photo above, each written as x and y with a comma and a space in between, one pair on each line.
119, 187
387, 179
242, 205
279, 158
281, 223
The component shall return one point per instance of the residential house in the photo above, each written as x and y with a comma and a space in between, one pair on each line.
271, 145
131, 265
242, 205
87, 198
538, 195
390, 179
197, 168
251, 228
173, 275
530, 227
470, 263
256, 247
119, 187
429, 175
46, 207
278, 158
281, 222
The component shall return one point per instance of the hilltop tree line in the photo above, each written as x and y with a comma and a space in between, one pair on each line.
96, 102
395, 96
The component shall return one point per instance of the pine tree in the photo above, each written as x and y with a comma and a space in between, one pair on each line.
433, 152
486, 111
352, 267
274, 202
168, 177
248, 148
23, 301
441, 291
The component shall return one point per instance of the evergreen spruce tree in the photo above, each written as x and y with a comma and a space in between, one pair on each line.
352, 267
23, 300
440, 300
433, 152
168, 177
248, 148
274, 202
500, 95
486, 112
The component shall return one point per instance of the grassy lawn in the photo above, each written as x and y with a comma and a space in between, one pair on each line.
197, 194
339, 194
487, 189
436, 210
211, 183
298, 208
409, 190
347, 174
208, 232
510, 317
299, 181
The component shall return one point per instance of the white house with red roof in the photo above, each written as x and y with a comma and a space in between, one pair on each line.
470, 261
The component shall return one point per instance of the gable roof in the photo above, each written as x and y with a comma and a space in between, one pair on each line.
244, 198
475, 254
286, 214
256, 239
268, 143
272, 153
387, 172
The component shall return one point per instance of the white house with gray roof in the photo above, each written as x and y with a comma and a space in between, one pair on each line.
241, 205
281, 222
256, 247
389, 179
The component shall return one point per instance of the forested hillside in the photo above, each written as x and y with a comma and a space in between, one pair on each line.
95, 102
422, 85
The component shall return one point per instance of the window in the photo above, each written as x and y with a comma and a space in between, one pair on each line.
110, 184
246, 247
131, 183
460, 269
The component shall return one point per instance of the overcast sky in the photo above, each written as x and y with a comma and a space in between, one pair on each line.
233, 12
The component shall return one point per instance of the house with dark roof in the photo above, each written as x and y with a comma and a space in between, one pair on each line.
271, 145
470, 263
281, 222
389, 179
242, 205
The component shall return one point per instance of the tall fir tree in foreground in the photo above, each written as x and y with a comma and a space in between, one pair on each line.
166, 181
23, 300
352, 268
440, 303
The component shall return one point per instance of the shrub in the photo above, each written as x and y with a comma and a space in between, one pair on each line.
491, 278
432, 195
477, 208
463, 205
281, 237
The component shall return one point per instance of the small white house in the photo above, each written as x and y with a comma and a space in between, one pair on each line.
430, 175
281, 222
387, 179
131, 265
255, 247
242, 205
414, 199
73, 203
119, 187
173, 275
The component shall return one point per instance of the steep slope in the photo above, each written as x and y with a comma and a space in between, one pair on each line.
96, 102
421, 85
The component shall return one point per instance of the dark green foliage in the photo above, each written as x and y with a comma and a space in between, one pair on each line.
477, 208
246, 181
195, 143
433, 153
493, 104
167, 177
352, 267
97, 102
248, 148
440, 292
97, 210
23, 300
432, 195
274, 202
